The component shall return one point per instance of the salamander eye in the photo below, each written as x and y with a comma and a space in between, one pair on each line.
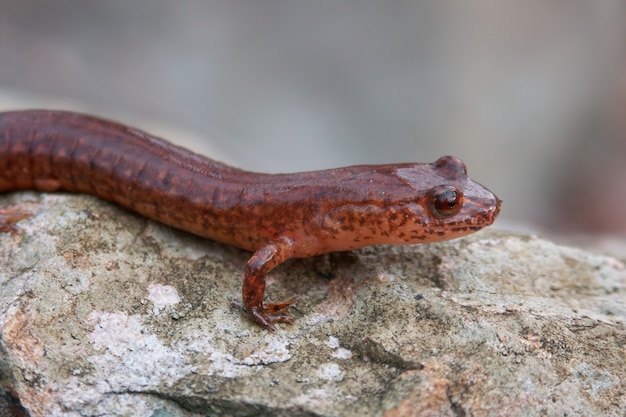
450, 167
445, 201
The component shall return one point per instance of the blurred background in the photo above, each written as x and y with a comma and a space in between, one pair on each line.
531, 95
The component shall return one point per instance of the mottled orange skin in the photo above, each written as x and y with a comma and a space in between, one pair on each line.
276, 216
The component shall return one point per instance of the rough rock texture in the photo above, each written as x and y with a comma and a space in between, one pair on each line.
106, 313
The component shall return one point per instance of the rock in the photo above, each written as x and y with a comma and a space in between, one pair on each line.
106, 313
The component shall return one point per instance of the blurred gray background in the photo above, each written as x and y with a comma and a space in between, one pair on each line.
531, 95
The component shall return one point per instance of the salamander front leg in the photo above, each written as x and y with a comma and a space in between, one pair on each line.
264, 260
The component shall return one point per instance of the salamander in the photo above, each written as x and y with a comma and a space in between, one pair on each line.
275, 216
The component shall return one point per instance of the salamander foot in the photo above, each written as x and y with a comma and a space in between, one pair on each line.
272, 313
10, 215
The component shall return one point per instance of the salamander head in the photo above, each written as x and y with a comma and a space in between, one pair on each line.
413, 203
455, 205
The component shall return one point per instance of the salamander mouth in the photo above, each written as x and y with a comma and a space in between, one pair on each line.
476, 222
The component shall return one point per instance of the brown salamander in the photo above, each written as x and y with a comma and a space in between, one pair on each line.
276, 216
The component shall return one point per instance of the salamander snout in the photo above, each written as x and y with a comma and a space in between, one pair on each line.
482, 208
495, 210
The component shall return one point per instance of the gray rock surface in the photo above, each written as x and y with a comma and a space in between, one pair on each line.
103, 312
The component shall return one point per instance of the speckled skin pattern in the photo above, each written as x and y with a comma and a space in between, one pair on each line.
276, 216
